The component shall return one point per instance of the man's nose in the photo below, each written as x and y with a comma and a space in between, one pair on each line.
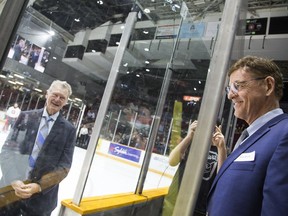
230, 94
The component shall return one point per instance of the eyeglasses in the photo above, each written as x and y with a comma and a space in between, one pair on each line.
235, 86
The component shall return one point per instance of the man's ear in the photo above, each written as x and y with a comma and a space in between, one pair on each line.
270, 85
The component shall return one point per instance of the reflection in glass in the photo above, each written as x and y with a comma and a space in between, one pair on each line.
28, 53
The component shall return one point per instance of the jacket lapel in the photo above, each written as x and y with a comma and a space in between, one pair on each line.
55, 130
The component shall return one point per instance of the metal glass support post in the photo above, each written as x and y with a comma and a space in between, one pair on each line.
213, 93
30, 100
158, 113
1, 94
69, 110
116, 126
132, 129
17, 97
168, 137
38, 99
153, 131
23, 100
8, 102
90, 154
108, 124
80, 117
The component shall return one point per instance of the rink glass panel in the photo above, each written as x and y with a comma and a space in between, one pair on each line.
127, 125
132, 110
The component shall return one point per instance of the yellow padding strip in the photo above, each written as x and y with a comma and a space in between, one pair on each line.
103, 203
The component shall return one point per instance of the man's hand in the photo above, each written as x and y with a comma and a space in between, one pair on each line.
25, 191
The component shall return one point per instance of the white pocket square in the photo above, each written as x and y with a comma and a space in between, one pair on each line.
248, 156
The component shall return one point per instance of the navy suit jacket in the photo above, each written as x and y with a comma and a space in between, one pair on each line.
54, 160
253, 180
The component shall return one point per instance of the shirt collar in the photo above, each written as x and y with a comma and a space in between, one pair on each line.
263, 119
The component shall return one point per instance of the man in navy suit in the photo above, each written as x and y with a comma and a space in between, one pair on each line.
35, 186
253, 180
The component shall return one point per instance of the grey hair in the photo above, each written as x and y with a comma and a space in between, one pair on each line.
62, 84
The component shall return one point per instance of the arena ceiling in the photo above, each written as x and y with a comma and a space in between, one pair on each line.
75, 15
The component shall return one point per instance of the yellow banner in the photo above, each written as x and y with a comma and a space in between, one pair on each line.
176, 127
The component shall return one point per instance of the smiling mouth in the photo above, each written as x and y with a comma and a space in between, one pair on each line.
56, 105
236, 103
